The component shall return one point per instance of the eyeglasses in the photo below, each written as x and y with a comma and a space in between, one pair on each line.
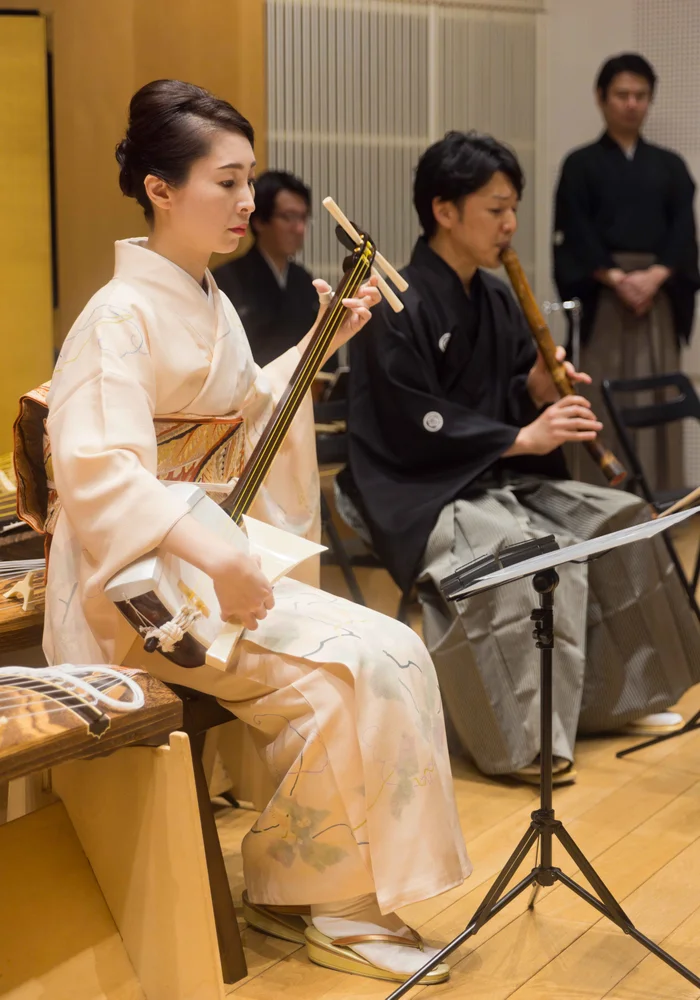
292, 218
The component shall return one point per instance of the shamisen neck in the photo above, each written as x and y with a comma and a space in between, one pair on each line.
243, 494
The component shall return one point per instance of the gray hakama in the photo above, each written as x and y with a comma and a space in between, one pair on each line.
626, 644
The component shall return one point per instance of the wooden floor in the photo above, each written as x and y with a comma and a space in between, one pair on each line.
637, 819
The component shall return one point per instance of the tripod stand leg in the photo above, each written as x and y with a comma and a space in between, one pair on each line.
533, 896
489, 907
628, 927
610, 905
486, 908
690, 725
468, 932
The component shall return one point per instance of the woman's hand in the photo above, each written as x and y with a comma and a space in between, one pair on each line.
244, 593
368, 296
357, 312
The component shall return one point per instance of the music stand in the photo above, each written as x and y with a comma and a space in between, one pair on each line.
485, 574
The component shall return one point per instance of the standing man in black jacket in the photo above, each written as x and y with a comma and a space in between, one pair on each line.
625, 245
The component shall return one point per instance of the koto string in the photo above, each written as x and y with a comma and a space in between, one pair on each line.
91, 698
34, 696
74, 686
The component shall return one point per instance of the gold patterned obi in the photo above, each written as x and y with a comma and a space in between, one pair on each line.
208, 450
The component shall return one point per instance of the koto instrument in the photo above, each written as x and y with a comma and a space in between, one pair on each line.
611, 467
8, 492
16, 538
172, 604
21, 604
54, 714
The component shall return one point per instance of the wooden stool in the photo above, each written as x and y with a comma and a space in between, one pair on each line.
171, 713
202, 712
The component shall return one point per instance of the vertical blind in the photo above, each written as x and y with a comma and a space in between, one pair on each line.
357, 89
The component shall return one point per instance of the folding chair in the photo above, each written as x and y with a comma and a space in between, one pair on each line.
629, 416
332, 453
332, 450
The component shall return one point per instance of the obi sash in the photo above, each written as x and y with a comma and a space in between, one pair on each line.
206, 450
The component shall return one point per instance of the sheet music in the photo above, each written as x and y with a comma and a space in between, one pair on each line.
578, 552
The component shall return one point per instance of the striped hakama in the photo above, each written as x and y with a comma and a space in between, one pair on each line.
626, 640
625, 346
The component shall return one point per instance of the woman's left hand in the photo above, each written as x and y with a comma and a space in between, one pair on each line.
358, 309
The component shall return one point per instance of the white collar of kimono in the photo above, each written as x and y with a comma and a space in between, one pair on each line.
134, 259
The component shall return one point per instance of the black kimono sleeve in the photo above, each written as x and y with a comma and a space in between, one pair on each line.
521, 407
680, 245
578, 248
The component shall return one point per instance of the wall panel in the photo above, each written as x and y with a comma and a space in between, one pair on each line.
103, 50
359, 88
25, 220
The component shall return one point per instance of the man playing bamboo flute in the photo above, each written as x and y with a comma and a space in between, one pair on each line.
455, 452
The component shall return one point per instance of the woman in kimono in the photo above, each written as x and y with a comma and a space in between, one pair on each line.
343, 703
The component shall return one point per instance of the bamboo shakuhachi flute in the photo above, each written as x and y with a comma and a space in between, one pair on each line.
686, 501
612, 469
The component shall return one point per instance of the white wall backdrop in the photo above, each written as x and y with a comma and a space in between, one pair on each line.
359, 88
668, 33
581, 34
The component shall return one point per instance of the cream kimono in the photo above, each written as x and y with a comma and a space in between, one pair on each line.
342, 702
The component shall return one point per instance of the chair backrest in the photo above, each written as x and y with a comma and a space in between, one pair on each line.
627, 416
685, 403
327, 412
331, 448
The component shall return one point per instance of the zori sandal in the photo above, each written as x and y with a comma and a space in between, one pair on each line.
337, 954
285, 922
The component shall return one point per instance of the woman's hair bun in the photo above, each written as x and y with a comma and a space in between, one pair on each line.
170, 126
125, 178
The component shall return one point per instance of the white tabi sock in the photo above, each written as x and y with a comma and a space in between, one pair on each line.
659, 719
362, 915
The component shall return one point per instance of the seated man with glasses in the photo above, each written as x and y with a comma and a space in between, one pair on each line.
274, 297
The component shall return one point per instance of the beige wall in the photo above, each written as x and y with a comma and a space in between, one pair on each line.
582, 34
578, 36
25, 251
103, 51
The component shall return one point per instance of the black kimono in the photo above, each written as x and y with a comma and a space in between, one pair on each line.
274, 318
607, 204
437, 395
630, 212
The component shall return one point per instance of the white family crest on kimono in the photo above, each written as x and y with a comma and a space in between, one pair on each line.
342, 703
